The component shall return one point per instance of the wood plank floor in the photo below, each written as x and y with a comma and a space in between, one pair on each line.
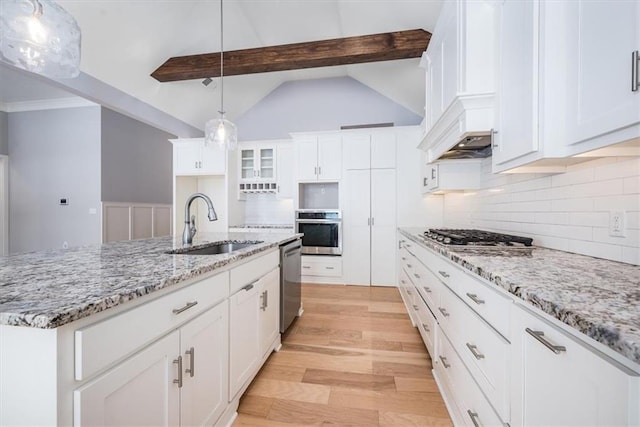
352, 359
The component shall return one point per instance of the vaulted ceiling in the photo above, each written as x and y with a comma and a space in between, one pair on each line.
125, 41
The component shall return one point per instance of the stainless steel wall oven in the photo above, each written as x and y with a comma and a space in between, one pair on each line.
322, 230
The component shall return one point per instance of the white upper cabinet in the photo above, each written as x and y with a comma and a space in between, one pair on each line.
192, 157
564, 81
460, 73
369, 150
318, 157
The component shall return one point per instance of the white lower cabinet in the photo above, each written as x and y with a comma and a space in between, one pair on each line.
559, 381
178, 380
269, 310
244, 347
497, 362
139, 391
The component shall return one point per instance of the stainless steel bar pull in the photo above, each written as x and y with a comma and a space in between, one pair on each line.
539, 335
178, 361
192, 363
474, 418
444, 362
185, 308
475, 298
474, 350
444, 274
635, 71
444, 312
426, 329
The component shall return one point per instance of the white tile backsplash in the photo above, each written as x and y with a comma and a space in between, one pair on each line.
266, 209
568, 211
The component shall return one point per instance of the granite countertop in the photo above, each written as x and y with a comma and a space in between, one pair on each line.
270, 226
599, 298
51, 288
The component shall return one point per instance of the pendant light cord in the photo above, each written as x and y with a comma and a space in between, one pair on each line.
221, 61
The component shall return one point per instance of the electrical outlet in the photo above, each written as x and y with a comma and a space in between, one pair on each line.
617, 223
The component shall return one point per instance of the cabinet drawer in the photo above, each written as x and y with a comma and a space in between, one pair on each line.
253, 270
322, 266
429, 286
485, 353
97, 346
427, 327
473, 406
488, 303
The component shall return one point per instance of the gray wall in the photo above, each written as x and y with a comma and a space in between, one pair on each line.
317, 105
4, 133
136, 161
54, 154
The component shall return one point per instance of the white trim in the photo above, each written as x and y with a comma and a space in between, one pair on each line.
46, 104
4, 205
131, 207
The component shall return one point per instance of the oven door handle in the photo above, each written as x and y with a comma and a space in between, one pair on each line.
318, 221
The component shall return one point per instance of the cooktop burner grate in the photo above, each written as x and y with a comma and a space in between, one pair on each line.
476, 237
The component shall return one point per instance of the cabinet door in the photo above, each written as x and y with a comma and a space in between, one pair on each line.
213, 160
601, 36
383, 150
517, 133
243, 337
187, 158
284, 171
247, 164
266, 163
329, 157
356, 151
383, 226
269, 319
139, 391
356, 233
205, 345
572, 387
307, 159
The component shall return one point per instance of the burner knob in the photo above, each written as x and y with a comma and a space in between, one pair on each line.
440, 238
447, 240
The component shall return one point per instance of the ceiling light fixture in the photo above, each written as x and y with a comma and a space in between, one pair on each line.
39, 36
221, 131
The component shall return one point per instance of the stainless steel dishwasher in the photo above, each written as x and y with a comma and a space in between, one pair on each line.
290, 282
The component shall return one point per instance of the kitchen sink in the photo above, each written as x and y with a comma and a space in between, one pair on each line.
215, 249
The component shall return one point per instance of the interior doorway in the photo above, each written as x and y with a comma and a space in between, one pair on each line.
4, 205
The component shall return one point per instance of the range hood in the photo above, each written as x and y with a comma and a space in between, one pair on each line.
463, 131
471, 147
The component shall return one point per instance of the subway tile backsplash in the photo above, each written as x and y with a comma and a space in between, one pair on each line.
568, 211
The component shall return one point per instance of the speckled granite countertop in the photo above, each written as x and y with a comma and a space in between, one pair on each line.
599, 298
51, 288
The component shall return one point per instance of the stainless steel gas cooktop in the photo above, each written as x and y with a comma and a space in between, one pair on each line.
472, 237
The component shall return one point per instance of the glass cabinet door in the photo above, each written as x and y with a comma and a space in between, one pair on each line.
267, 163
247, 164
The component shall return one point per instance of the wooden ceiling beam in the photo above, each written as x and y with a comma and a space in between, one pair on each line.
324, 53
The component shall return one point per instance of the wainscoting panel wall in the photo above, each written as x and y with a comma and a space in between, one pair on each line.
128, 221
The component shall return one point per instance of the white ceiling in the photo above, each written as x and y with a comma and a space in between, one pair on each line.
124, 41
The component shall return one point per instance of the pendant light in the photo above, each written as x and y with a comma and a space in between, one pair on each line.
221, 131
39, 36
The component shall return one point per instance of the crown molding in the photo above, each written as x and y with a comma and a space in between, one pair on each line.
45, 104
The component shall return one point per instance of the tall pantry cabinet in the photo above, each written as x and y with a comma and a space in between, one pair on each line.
369, 215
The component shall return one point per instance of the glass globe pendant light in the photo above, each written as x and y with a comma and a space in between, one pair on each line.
39, 36
221, 131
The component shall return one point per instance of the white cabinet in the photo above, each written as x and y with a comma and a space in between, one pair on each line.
269, 314
369, 219
192, 157
318, 157
257, 167
179, 380
370, 150
244, 344
451, 175
139, 391
564, 82
460, 74
284, 171
559, 381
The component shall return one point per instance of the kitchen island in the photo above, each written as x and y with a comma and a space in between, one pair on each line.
83, 327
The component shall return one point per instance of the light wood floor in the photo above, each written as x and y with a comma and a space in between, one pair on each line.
354, 359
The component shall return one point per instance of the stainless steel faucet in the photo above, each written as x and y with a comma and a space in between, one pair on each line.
190, 220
